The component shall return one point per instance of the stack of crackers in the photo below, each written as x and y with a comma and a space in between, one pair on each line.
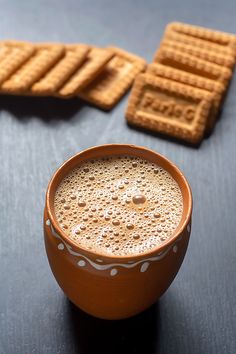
181, 92
100, 76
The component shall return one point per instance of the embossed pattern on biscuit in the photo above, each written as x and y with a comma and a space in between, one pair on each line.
221, 38
186, 78
159, 70
55, 78
96, 60
116, 78
197, 42
167, 72
12, 55
44, 57
169, 107
194, 65
201, 53
4, 50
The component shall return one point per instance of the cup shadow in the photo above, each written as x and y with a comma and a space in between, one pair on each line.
138, 334
45, 108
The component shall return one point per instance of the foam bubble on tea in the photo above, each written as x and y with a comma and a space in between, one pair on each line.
119, 205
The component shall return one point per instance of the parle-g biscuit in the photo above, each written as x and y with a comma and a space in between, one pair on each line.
193, 65
116, 78
55, 78
12, 55
96, 59
186, 78
224, 39
166, 72
169, 107
225, 59
4, 50
45, 56
197, 42
100, 76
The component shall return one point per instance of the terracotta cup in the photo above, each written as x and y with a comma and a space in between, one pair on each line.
115, 287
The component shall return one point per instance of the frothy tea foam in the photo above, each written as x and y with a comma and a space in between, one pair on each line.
120, 205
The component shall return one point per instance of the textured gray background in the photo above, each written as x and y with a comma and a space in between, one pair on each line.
197, 314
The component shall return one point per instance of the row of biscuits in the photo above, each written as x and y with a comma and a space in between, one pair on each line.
181, 92
100, 76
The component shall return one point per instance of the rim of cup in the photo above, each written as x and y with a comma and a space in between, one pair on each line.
124, 149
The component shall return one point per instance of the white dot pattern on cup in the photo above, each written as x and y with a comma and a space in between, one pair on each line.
103, 267
175, 249
144, 267
48, 222
113, 272
81, 263
61, 246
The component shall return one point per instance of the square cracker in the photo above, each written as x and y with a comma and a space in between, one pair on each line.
217, 37
193, 65
44, 57
212, 56
4, 50
197, 42
186, 78
55, 78
166, 72
96, 59
13, 54
116, 78
169, 107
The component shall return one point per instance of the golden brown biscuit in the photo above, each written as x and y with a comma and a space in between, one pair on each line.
197, 42
112, 83
169, 107
193, 65
4, 50
204, 54
96, 60
212, 36
12, 55
166, 72
44, 57
55, 78
186, 78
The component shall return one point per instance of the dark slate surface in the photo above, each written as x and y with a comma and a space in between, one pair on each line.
197, 314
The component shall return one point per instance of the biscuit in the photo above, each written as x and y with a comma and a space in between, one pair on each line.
55, 78
193, 65
212, 36
4, 50
169, 108
186, 78
96, 60
197, 42
12, 55
159, 70
205, 54
44, 57
116, 78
